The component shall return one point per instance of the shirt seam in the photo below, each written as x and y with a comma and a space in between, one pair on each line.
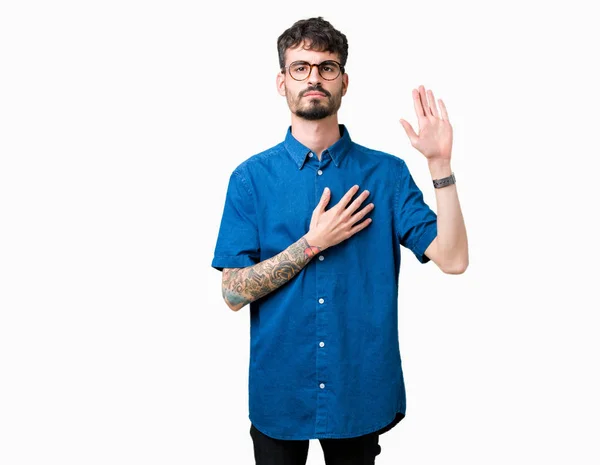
397, 203
255, 205
415, 242
243, 181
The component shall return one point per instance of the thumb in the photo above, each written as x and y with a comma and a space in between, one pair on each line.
409, 131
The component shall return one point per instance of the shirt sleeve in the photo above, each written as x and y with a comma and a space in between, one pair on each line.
237, 243
416, 223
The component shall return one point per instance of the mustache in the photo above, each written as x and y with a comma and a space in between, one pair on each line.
315, 89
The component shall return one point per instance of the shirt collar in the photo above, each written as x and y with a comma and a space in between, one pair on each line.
299, 151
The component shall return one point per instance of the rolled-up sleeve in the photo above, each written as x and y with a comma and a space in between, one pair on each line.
237, 242
416, 222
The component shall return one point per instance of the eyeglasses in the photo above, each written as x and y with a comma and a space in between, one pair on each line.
300, 70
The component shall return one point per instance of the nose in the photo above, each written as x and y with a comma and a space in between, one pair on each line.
314, 76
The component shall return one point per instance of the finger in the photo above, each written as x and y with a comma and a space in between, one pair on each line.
357, 202
424, 103
419, 110
347, 196
361, 214
360, 226
432, 105
443, 110
325, 196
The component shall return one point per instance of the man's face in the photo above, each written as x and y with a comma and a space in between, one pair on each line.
311, 107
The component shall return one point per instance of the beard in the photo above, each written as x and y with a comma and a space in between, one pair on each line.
316, 108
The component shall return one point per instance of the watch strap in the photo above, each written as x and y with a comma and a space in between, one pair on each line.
443, 182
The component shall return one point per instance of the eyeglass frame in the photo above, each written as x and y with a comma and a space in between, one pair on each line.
342, 69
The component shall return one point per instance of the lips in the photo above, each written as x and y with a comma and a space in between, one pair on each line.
308, 94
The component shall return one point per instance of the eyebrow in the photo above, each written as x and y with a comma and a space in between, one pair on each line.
306, 61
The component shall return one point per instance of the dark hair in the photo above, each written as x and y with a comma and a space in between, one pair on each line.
323, 37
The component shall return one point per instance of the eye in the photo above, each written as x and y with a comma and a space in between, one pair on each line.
299, 67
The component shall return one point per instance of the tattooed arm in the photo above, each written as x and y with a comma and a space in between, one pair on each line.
244, 285
327, 228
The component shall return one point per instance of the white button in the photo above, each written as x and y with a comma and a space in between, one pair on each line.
321, 344
321, 257
310, 154
319, 172
321, 301
322, 386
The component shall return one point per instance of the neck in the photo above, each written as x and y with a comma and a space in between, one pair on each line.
316, 135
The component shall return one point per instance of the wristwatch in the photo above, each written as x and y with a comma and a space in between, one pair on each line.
443, 182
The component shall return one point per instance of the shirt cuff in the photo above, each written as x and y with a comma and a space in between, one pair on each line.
423, 242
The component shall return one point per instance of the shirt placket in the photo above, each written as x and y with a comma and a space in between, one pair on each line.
322, 309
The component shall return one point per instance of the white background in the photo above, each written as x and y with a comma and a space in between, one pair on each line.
121, 122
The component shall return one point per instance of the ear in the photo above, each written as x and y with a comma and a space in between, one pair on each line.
280, 82
345, 80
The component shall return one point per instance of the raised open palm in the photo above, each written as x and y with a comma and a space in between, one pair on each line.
434, 139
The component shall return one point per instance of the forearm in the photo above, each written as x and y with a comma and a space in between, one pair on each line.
244, 285
452, 234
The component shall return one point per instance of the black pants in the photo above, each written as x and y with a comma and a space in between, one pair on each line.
360, 450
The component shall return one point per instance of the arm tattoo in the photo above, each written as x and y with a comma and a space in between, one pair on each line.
244, 285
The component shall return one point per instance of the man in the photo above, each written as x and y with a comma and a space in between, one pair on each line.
317, 259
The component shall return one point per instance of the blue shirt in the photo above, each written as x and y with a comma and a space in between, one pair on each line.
324, 349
